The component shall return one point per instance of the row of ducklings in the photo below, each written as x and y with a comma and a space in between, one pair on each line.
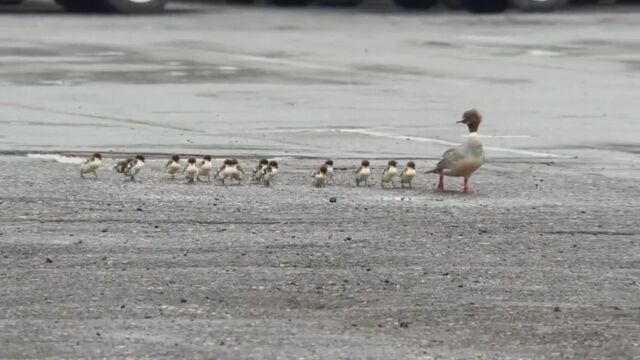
198, 169
265, 170
324, 174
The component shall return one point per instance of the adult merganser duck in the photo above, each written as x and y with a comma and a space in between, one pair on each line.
388, 173
205, 167
362, 173
91, 165
407, 175
464, 159
173, 166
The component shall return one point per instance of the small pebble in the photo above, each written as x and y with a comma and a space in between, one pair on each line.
556, 309
333, 199
48, 260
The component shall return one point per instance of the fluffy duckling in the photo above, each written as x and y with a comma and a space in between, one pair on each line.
173, 166
191, 170
388, 173
237, 173
225, 171
257, 171
91, 165
320, 178
363, 173
133, 168
269, 173
329, 165
407, 175
121, 166
204, 168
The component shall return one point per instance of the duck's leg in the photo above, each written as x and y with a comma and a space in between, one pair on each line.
466, 189
440, 186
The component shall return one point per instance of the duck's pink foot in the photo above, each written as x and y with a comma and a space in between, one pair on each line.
466, 189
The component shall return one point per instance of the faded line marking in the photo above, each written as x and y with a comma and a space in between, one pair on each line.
448, 143
93, 116
503, 136
292, 63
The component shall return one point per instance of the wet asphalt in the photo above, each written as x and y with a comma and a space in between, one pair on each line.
541, 261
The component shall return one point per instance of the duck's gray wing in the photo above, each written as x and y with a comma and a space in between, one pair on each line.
448, 158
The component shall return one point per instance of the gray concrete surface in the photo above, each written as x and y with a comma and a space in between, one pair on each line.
540, 262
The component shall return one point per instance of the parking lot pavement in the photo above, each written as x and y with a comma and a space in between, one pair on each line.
540, 262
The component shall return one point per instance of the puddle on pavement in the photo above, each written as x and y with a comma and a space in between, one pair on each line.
72, 65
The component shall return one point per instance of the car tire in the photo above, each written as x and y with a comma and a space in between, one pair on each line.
538, 5
485, 6
290, 3
453, 4
416, 4
339, 3
136, 6
83, 6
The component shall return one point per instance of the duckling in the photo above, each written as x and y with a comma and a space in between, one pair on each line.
91, 165
191, 170
257, 171
329, 166
173, 166
225, 171
363, 173
238, 172
388, 173
204, 167
320, 177
269, 173
121, 166
133, 168
407, 175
